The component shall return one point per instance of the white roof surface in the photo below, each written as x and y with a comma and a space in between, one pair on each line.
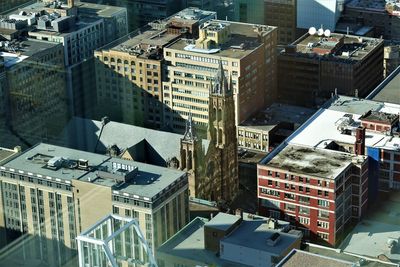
11, 59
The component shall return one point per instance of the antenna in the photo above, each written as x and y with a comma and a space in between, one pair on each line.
320, 31
312, 31
327, 33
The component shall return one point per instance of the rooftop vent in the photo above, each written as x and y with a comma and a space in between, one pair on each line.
55, 162
273, 239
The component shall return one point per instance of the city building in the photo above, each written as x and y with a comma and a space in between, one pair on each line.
320, 63
282, 14
325, 174
249, 11
11, 4
142, 12
114, 241
391, 58
229, 240
382, 15
247, 53
80, 28
267, 129
130, 73
56, 193
201, 4
211, 163
321, 191
33, 89
314, 13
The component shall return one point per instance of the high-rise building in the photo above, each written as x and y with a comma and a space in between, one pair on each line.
34, 89
317, 64
249, 11
282, 14
247, 53
80, 28
130, 73
314, 13
56, 193
201, 4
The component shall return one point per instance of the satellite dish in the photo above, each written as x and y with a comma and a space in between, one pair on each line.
320, 32
312, 31
327, 33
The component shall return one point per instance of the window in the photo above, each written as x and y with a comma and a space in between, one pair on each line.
304, 220
290, 207
323, 214
290, 196
322, 224
304, 199
304, 210
324, 236
115, 210
270, 192
323, 203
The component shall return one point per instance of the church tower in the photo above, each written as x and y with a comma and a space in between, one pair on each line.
188, 154
222, 129
222, 135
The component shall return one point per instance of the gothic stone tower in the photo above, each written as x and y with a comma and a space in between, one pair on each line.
222, 134
189, 152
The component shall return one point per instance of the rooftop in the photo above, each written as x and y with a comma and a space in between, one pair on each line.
82, 134
298, 258
312, 161
269, 118
6, 154
188, 243
255, 233
391, 6
334, 46
243, 41
388, 90
20, 51
146, 42
382, 117
222, 221
371, 237
91, 9
104, 170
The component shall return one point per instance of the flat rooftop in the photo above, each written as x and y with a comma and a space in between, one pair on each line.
222, 221
148, 182
299, 258
341, 255
241, 33
369, 238
254, 233
376, 5
328, 118
340, 46
277, 113
91, 9
188, 244
148, 37
311, 161
389, 89
26, 49
6, 153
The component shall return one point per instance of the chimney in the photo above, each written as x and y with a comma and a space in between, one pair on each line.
359, 146
239, 213
356, 93
71, 3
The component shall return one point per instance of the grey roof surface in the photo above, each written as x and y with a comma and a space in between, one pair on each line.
149, 181
90, 9
5, 153
222, 221
188, 243
390, 91
355, 105
83, 133
311, 161
298, 258
254, 234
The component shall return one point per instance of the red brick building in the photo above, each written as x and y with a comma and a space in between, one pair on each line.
321, 191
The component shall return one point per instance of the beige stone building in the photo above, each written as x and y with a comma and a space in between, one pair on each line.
55, 193
247, 54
